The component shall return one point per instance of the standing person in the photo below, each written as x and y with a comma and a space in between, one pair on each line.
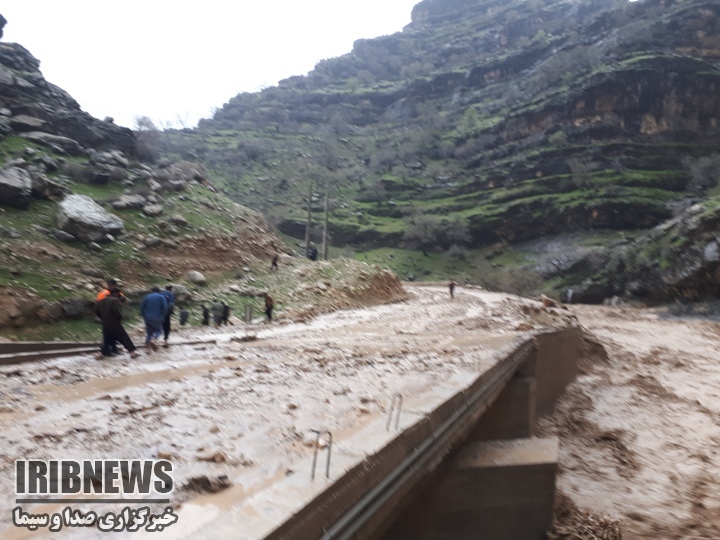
111, 282
205, 315
274, 264
109, 311
217, 312
269, 305
451, 286
170, 297
225, 313
312, 252
184, 316
153, 308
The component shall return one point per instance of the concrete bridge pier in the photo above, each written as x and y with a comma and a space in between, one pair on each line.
500, 485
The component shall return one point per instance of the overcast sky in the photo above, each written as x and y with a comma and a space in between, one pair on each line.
175, 59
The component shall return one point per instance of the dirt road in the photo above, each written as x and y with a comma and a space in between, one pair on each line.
640, 428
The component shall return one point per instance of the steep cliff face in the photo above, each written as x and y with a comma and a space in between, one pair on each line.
516, 119
31, 105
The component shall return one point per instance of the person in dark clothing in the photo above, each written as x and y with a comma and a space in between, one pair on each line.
205, 315
184, 316
451, 286
225, 314
312, 252
111, 282
217, 312
153, 308
170, 297
109, 312
269, 305
274, 264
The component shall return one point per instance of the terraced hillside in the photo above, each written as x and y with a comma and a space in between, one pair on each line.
491, 123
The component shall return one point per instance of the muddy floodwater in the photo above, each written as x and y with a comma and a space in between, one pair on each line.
639, 429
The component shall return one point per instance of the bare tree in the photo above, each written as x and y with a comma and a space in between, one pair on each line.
376, 192
422, 234
148, 138
704, 173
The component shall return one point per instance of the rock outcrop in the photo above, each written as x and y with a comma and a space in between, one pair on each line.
40, 111
15, 188
86, 220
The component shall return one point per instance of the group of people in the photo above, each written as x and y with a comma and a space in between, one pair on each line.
220, 313
157, 309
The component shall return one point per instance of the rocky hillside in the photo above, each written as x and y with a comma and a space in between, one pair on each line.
77, 205
572, 123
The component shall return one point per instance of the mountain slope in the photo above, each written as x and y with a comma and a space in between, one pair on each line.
485, 123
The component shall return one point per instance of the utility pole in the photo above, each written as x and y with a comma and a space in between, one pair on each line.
308, 225
325, 224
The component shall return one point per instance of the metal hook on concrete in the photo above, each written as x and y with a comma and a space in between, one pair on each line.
318, 434
397, 398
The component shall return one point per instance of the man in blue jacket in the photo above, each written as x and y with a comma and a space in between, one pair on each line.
170, 297
154, 309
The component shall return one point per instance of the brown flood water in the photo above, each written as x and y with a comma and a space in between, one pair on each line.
640, 427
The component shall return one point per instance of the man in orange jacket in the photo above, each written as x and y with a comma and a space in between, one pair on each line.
111, 283
110, 344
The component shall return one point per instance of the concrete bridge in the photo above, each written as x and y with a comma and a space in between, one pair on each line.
468, 467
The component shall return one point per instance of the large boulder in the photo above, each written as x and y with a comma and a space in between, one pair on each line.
129, 202
196, 277
46, 189
86, 220
15, 188
23, 122
56, 142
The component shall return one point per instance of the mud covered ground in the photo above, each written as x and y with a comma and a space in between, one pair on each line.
640, 428
241, 413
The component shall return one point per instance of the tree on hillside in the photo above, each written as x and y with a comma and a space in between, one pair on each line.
421, 234
383, 160
376, 192
704, 173
148, 138
454, 233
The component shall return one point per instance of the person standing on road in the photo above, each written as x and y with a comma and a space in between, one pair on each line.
205, 315
225, 314
184, 316
269, 305
170, 298
109, 312
217, 312
451, 286
111, 282
153, 308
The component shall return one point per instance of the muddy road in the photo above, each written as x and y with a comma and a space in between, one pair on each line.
242, 413
640, 428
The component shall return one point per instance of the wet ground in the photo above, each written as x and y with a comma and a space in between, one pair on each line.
246, 410
640, 428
